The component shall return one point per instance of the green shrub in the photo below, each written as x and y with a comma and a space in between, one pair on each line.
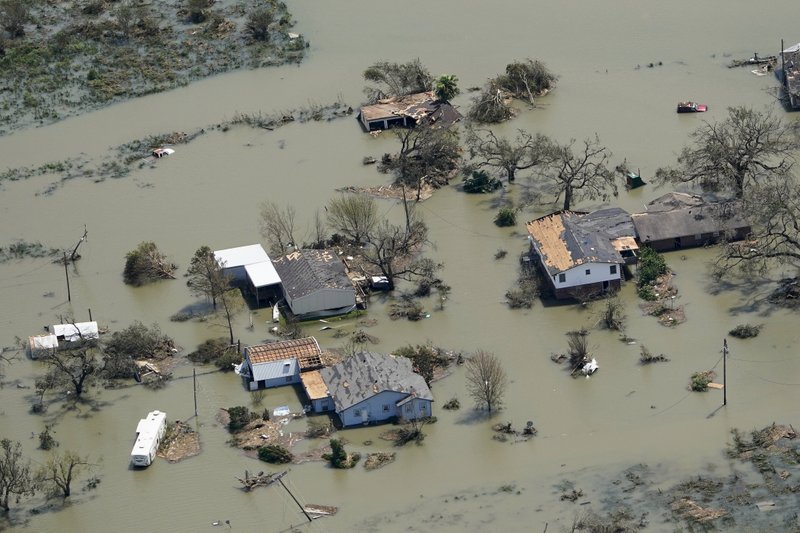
339, 458
480, 182
272, 453
646, 293
700, 381
239, 418
506, 217
745, 331
651, 266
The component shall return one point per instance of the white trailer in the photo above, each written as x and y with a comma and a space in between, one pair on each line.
149, 433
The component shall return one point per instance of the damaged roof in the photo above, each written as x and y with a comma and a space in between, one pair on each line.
415, 106
303, 272
366, 374
305, 350
679, 215
567, 239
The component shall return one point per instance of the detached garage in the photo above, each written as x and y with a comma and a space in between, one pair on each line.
315, 283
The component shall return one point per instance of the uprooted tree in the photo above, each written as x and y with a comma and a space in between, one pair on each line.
136, 342
527, 79
146, 264
387, 79
486, 380
745, 149
491, 105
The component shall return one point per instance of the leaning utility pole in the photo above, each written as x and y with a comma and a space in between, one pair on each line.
725, 372
66, 273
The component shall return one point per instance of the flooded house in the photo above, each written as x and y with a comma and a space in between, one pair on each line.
279, 363
679, 220
790, 75
581, 254
369, 388
62, 336
250, 267
407, 111
315, 283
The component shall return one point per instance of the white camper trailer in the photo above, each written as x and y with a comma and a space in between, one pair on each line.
149, 433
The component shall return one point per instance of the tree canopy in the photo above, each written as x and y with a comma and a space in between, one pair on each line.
486, 380
396, 79
353, 215
527, 151
146, 264
446, 87
205, 277
526, 79
747, 148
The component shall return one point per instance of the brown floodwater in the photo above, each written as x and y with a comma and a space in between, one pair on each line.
209, 193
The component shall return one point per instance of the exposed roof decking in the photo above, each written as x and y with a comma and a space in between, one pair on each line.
565, 243
314, 385
306, 351
412, 105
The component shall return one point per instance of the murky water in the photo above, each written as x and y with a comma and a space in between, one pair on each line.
209, 192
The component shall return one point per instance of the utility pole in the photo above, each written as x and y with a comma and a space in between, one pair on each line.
66, 272
725, 372
194, 387
295, 500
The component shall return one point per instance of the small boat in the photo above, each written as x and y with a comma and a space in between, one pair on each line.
161, 152
276, 313
691, 107
633, 180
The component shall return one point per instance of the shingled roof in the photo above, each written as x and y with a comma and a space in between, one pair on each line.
567, 239
305, 350
306, 271
366, 374
678, 214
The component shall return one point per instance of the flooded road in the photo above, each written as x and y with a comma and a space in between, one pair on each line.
209, 193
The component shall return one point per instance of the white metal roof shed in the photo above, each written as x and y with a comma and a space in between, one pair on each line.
77, 331
241, 256
262, 274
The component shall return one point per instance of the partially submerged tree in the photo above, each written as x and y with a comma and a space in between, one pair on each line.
527, 151
60, 470
205, 276
146, 264
746, 149
15, 474
579, 173
426, 359
428, 155
198, 10
396, 79
258, 23
446, 87
277, 227
526, 79
74, 366
353, 215
136, 342
339, 458
230, 304
578, 342
479, 181
774, 211
14, 14
486, 380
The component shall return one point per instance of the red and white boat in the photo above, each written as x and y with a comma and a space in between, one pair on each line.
691, 107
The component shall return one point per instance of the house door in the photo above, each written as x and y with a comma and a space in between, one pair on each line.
605, 286
677, 242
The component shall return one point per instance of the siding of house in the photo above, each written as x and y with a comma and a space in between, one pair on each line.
578, 282
321, 300
693, 241
414, 409
380, 407
274, 374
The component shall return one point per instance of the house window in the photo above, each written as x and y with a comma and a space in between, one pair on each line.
324, 405
385, 408
613, 269
422, 407
409, 407
286, 367
562, 278
588, 271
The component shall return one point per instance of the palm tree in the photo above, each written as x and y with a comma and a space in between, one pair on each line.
446, 87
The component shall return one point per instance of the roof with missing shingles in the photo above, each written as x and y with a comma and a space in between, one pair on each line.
679, 215
303, 272
306, 351
367, 374
567, 239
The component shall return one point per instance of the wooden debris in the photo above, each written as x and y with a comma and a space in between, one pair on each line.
318, 511
260, 480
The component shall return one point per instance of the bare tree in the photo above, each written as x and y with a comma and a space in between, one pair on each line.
486, 380
75, 366
774, 210
427, 154
490, 151
353, 215
14, 14
231, 303
15, 474
395, 250
579, 174
277, 227
396, 79
60, 470
146, 264
745, 149
320, 230
205, 276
